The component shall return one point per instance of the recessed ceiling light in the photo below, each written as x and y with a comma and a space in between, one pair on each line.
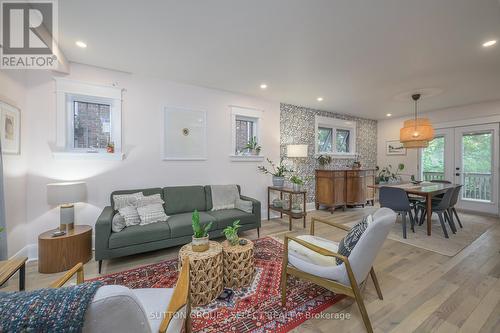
389, 115
81, 44
263, 86
489, 43
319, 99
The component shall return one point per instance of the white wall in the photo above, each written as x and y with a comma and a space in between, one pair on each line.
13, 91
389, 130
142, 117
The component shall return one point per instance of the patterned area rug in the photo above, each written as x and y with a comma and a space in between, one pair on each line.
256, 308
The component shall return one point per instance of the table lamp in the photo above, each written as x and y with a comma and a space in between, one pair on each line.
65, 195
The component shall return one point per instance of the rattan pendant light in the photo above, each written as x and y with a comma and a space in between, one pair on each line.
417, 132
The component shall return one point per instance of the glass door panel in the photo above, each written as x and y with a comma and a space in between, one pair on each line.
477, 166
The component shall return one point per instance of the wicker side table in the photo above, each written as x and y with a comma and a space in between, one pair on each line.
238, 264
205, 273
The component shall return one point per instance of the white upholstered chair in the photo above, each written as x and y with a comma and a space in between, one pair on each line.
120, 309
313, 258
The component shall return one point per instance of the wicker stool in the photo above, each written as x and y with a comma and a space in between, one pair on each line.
205, 273
238, 264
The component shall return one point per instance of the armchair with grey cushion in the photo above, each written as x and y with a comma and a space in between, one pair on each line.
117, 308
313, 258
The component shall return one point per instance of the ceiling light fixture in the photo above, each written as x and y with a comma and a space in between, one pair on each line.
263, 86
389, 115
81, 44
417, 132
319, 99
489, 43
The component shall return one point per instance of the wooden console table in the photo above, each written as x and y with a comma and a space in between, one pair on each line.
283, 210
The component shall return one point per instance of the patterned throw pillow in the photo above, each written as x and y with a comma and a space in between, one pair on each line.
124, 200
118, 223
152, 213
130, 215
149, 200
350, 240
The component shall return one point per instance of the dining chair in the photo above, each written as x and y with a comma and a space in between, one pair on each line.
440, 181
440, 207
453, 202
397, 199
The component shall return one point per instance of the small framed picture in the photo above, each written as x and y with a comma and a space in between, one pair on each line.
10, 129
394, 147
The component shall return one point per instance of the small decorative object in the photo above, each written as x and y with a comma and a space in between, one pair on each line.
10, 128
185, 131
296, 208
110, 148
324, 160
200, 233
278, 172
65, 195
226, 295
253, 147
356, 165
231, 233
297, 183
414, 181
58, 233
394, 147
278, 203
388, 176
243, 242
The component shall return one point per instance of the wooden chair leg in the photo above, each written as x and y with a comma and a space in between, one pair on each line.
375, 283
284, 275
362, 308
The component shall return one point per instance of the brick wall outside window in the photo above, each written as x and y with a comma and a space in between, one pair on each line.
244, 132
91, 125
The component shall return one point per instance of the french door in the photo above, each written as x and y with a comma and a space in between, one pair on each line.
466, 155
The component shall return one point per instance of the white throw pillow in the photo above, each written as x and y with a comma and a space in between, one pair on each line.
224, 196
118, 223
244, 205
149, 200
152, 213
124, 200
130, 215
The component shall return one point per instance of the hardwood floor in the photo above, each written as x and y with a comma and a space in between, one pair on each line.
423, 291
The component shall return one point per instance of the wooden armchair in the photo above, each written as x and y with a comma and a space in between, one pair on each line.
323, 270
120, 309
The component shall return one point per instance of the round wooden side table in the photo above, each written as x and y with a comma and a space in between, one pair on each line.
238, 264
205, 270
58, 254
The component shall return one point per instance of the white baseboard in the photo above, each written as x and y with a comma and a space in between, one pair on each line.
30, 251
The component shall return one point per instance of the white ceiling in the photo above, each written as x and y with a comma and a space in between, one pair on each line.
357, 54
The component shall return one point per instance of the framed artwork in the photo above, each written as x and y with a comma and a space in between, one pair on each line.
185, 134
10, 129
394, 147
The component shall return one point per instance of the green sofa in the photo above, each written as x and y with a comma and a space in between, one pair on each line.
180, 202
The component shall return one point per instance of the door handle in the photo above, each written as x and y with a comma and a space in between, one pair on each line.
457, 174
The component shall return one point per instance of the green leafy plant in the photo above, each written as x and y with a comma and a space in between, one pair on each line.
324, 160
297, 180
199, 231
1, 229
279, 170
253, 145
389, 174
231, 232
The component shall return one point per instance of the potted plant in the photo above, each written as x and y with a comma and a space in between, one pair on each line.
253, 147
297, 182
324, 160
231, 233
200, 233
277, 171
388, 175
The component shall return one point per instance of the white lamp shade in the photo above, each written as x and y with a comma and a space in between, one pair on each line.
66, 193
296, 150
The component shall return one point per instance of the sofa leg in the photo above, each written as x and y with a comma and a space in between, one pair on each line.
100, 266
258, 232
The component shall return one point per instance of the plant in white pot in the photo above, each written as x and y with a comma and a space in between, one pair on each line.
231, 233
277, 171
200, 233
253, 147
297, 182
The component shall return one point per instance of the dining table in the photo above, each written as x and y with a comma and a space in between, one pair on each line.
423, 189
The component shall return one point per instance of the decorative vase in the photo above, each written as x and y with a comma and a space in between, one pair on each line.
200, 244
296, 187
278, 181
253, 152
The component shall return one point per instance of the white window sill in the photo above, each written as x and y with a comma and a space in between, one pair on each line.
337, 155
75, 155
246, 158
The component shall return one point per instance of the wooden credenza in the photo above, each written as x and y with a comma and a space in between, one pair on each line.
341, 188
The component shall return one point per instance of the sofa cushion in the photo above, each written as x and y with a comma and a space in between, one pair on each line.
226, 217
180, 224
184, 199
139, 234
147, 191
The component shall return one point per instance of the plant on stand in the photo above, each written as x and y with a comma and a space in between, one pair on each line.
253, 147
200, 233
231, 233
277, 171
297, 182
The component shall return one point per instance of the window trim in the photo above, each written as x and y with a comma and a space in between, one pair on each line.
334, 124
238, 112
67, 92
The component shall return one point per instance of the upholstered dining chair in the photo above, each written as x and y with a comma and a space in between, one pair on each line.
314, 258
397, 199
441, 207
120, 309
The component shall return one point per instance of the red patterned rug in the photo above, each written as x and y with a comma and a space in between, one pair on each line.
256, 308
